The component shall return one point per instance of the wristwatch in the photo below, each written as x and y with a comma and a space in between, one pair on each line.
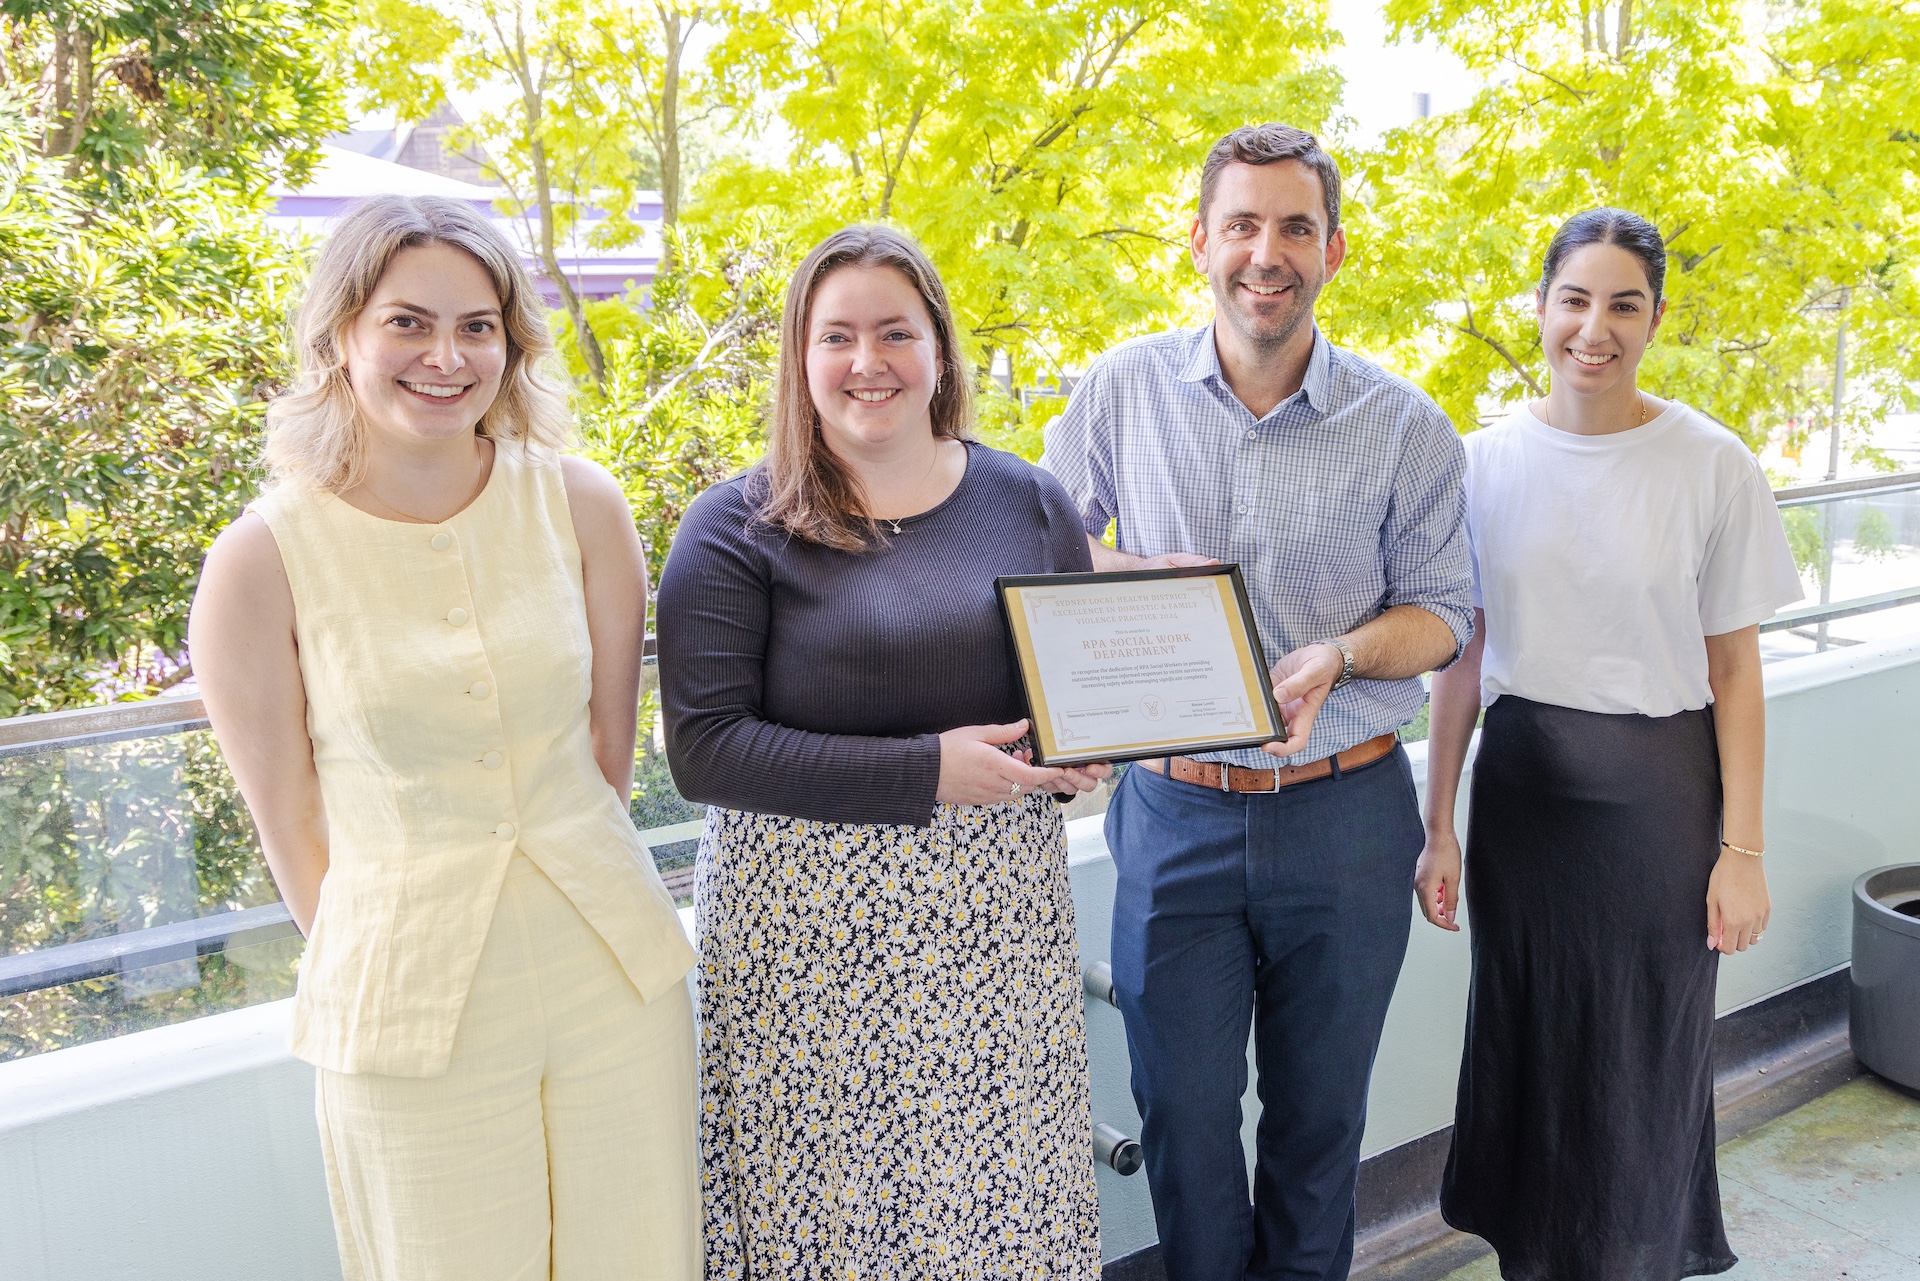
1346, 660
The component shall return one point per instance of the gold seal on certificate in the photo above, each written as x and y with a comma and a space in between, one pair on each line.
1155, 662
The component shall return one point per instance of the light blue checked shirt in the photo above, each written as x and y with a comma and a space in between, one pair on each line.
1343, 501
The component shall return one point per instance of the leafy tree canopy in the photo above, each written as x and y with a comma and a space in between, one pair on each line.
1045, 153
1775, 148
586, 111
241, 89
142, 300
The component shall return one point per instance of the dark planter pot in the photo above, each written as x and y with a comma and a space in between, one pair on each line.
1885, 1007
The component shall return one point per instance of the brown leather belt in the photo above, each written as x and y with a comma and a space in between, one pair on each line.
1232, 778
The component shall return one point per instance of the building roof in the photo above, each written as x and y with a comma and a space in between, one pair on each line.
346, 176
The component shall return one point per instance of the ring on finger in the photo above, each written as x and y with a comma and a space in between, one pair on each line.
1013, 791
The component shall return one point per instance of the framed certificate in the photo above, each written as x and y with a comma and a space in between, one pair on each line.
1152, 662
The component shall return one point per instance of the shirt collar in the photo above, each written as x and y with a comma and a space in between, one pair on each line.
1203, 362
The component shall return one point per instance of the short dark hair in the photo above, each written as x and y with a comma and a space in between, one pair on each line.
1609, 227
1264, 145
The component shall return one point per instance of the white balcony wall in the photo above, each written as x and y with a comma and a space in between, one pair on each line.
188, 1153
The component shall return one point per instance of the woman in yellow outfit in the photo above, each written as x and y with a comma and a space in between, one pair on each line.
420, 651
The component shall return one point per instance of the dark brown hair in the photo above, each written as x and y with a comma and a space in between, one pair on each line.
1629, 231
1268, 144
800, 487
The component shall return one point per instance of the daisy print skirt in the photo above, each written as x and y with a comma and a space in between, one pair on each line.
893, 1073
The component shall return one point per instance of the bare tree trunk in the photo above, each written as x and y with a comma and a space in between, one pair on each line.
1623, 36
550, 258
676, 27
674, 30
82, 96
534, 111
62, 107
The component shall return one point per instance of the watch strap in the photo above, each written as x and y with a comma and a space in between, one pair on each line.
1346, 660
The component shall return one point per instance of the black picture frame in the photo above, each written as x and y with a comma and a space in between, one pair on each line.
1005, 588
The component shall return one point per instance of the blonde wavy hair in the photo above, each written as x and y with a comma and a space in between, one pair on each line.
315, 434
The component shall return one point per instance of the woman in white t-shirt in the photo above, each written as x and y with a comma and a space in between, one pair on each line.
1626, 550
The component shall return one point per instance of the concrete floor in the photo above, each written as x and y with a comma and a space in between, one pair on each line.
1830, 1190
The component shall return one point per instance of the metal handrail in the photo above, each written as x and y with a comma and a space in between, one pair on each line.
170, 713
1827, 490
1790, 618
205, 936
137, 949
44, 730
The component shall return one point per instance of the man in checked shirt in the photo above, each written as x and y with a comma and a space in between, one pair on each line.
1271, 885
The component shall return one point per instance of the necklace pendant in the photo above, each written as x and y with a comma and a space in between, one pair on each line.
895, 524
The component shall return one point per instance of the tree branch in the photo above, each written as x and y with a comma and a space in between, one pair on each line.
1579, 94
899, 159
1122, 233
1472, 330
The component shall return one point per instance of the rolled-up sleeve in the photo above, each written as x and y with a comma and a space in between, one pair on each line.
1423, 543
1079, 450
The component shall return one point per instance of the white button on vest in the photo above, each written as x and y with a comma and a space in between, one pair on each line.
480, 689
456, 616
504, 831
493, 760
442, 541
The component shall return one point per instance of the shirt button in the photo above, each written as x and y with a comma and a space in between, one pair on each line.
458, 616
505, 831
1243, 509
493, 760
480, 689
1252, 434
442, 541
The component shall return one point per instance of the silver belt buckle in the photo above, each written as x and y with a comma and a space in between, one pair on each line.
1226, 777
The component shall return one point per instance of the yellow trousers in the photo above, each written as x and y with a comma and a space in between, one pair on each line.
560, 1144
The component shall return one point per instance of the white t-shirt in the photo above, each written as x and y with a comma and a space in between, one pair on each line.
1603, 562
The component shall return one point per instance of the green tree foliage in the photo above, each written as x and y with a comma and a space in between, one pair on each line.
102, 839
1775, 147
238, 88
590, 111
688, 376
1045, 153
140, 304
137, 339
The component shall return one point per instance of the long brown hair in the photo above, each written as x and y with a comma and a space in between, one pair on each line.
802, 489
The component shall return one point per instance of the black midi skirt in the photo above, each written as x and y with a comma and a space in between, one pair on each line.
1583, 1135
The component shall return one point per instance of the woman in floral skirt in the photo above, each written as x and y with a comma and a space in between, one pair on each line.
894, 1071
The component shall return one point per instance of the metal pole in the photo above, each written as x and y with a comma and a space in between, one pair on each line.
1826, 562
1833, 467
1839, 390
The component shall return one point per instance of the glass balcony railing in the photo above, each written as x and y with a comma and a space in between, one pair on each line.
133, 893
1858, 546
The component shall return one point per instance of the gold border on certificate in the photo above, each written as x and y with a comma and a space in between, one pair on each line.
1241, 715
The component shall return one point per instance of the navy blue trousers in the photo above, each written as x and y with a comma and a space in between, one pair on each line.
1289, 911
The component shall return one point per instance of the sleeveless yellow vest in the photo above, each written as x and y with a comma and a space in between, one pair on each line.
447, 669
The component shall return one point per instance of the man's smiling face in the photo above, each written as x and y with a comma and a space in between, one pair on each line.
1262, 243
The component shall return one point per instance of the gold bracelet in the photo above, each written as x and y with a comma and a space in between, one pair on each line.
1743, 849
